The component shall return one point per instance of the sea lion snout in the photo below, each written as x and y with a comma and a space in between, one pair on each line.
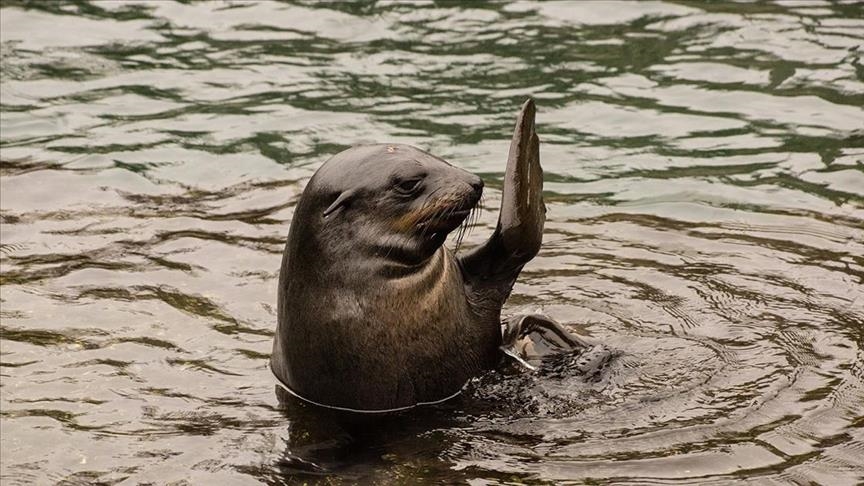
435, 196
442, 210
460, 188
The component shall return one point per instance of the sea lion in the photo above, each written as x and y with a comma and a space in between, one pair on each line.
375, 314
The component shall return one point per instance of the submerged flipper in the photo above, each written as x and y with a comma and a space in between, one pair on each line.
519, 232
537, 342
548, 336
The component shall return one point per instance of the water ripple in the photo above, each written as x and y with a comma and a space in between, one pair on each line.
705, 193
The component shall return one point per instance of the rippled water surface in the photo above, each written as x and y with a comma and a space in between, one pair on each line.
705, 189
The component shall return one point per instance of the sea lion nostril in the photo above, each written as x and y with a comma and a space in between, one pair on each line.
477, 185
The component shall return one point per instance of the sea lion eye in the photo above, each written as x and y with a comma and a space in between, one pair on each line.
408, 186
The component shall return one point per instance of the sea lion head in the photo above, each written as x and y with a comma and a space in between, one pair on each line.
392, 201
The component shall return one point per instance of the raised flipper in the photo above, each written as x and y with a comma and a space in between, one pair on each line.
519, 232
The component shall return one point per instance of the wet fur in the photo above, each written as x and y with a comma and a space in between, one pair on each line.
375, 313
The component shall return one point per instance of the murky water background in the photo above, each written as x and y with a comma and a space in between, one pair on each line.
705, 186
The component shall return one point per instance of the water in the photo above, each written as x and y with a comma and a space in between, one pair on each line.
705, 189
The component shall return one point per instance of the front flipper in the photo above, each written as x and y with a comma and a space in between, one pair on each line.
519, 232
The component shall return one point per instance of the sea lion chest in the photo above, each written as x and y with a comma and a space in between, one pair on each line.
389, 337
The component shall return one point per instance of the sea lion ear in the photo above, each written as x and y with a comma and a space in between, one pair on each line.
340, 201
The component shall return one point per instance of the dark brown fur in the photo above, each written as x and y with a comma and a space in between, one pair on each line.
374, 312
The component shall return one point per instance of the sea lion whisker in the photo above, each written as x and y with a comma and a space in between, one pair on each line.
469, 223
437, 215
427, 207
460, 234
433, 206
474, 217
443, 208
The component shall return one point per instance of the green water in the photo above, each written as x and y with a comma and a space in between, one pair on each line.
705, 188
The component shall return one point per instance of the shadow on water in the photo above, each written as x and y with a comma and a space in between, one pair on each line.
705, 193
324, 445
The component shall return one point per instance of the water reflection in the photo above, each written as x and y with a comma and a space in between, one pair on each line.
705, 192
